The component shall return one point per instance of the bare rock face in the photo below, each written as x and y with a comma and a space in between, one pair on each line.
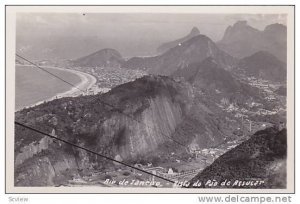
134, 138
32, 149
143, 119
45, 170
155, 109
142, 116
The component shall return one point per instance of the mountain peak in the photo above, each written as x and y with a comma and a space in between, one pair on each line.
108, 51
263, 56
106, 57
241, 40
195, 31
263, 53
193, 50
240, 24
197, 39
264, 65
167, 46
276, 27
238, 31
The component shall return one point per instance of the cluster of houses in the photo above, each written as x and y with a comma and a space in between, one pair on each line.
111, 77
108, 78
168, 173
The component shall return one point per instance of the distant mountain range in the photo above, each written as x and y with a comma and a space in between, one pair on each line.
261, 158
242, 40
188, 52
260, 53
166, 46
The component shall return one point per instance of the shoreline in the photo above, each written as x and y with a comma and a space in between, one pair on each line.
87, 81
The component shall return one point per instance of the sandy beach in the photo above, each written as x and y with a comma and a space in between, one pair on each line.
87, 81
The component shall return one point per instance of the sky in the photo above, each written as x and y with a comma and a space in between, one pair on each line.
72, 35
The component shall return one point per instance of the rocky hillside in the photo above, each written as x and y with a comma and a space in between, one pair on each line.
191, 51
142, 117
102, 58
264, 65
242, 40
260, 158
217, 83
166, 46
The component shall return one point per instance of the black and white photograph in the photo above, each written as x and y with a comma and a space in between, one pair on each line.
141, 98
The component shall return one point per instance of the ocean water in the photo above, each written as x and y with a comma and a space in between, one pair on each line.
34, 85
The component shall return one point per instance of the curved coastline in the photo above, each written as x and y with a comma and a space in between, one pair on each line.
87, 81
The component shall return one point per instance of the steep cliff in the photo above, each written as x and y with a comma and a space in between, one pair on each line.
141, 120
141, 116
